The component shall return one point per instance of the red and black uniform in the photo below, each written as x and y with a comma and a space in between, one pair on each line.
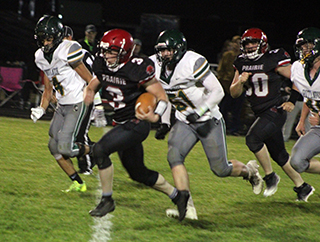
121, 87
264, 96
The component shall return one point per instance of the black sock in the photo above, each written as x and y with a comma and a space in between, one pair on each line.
269, 176
76, 177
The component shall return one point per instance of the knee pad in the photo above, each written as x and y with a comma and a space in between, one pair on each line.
281, 158
64, 148
100, 157
147, 177
53, 147
299, 164
254, 143
220, 171
174, 157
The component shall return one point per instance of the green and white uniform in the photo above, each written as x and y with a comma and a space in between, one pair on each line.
308, 145
192, 87
68, 86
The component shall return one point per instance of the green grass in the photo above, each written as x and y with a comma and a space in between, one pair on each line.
33, 208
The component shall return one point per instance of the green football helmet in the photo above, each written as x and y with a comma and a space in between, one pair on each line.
49, 27
309, 35
172, 40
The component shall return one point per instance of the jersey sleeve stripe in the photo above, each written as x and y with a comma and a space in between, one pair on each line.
149, 78
75, 56
202, 70
284, 62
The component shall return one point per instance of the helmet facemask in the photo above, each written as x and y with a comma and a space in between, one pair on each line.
254, 35
171, 40
252, 54
309, 52
307, 46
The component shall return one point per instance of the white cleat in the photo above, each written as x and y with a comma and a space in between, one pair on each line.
254, 177
191, 213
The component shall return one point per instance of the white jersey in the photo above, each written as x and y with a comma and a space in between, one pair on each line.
66, 81
186, 88
309, 89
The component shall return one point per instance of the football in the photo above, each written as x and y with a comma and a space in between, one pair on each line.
144, 100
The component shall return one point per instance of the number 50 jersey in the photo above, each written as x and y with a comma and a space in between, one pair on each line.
263, 87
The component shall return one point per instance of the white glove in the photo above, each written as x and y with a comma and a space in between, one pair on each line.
99, 117
37, 113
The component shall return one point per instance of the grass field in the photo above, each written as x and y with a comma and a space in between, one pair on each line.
33, 208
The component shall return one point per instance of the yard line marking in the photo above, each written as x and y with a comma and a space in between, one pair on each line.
102, 226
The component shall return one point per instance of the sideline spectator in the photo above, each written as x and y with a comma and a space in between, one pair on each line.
138, 48
89, 42
228, 105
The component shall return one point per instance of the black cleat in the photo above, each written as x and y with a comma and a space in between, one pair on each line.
181, 200
304, 192
272, 180
105, 206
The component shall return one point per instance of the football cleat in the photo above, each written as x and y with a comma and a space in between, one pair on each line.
181, 200
190, 214
105, 206
272, 182
254, 177
304, 192
75, 186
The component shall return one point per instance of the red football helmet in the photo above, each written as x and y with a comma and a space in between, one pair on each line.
254, 35
118, 40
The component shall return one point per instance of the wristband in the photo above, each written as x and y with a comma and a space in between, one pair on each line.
293, 96
161, 107
202, 109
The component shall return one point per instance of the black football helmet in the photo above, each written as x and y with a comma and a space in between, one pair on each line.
173, 40
49, 27
311, 36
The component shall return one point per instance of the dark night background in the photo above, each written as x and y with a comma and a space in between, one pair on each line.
205, 24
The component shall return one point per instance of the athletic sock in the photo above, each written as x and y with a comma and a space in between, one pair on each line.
76, 177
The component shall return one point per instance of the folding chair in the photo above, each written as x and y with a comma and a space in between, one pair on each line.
11, 82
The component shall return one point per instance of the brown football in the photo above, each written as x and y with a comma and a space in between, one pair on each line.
144, 100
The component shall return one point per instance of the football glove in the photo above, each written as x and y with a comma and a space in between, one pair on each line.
99, 117
193, 117
37, 113
162, 131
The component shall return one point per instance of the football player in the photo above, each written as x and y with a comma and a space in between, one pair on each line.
195, 93
305, 76
96, 112
123, 78
61, 62
259, 71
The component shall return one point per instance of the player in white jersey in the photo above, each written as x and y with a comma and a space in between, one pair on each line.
195, 92
95, 112
61, 62
305, 77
